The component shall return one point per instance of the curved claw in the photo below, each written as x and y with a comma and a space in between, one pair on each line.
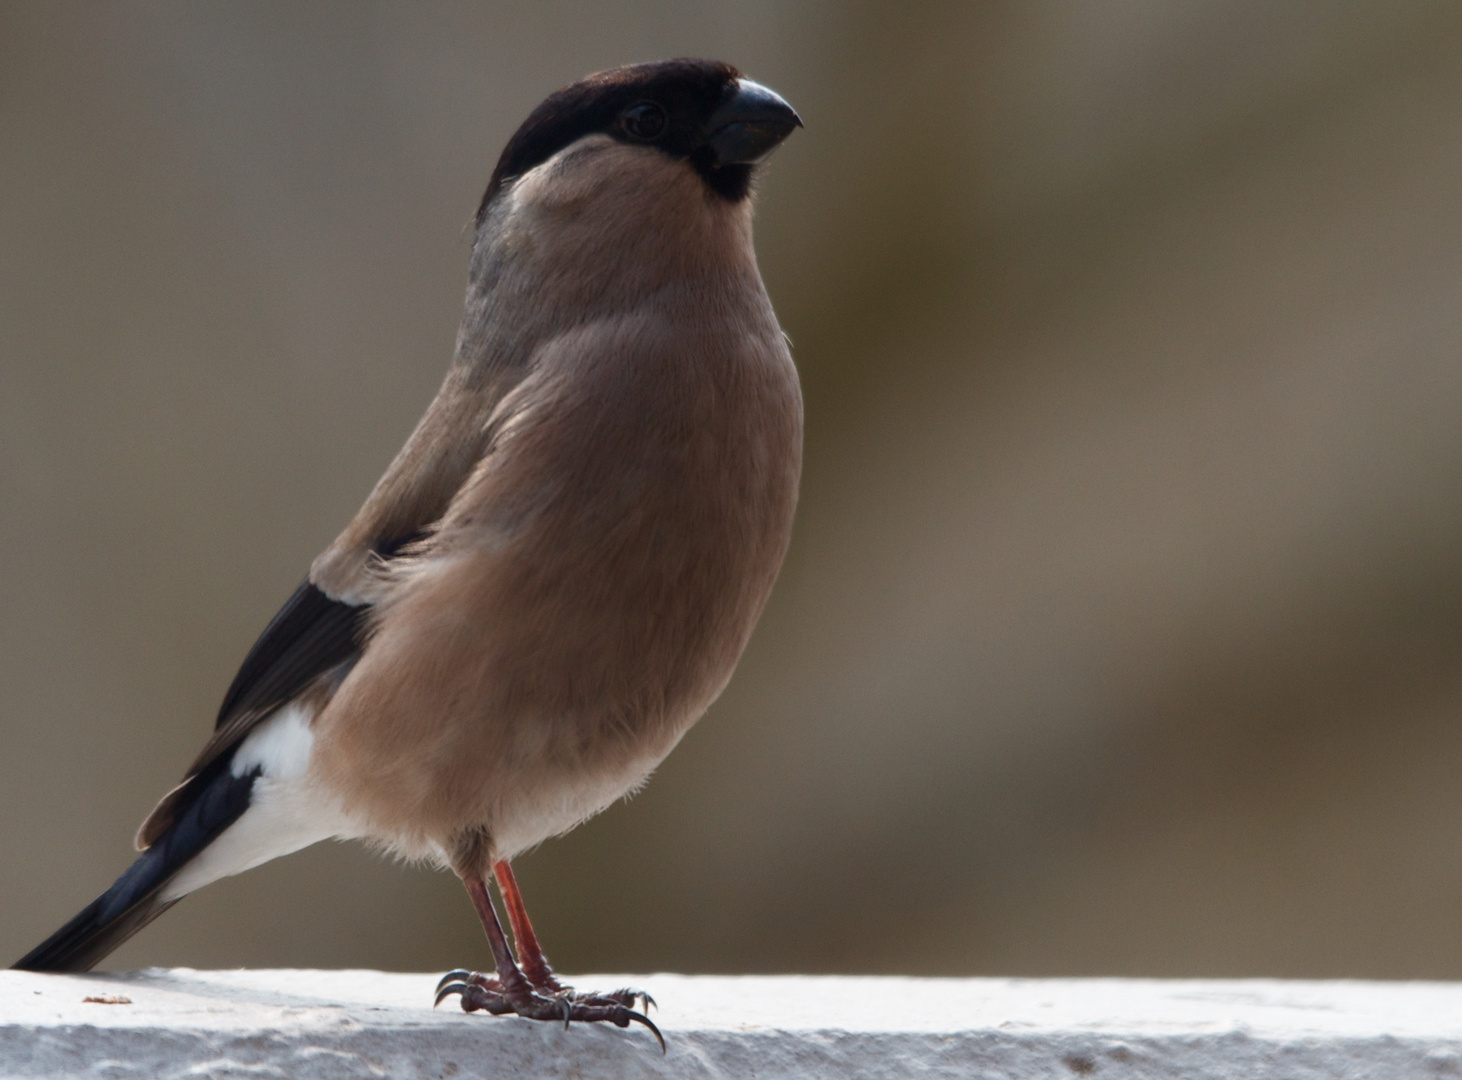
455, 973
568, 1010
447, 991
641, 1018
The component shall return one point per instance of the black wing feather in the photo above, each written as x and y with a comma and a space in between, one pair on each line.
311, 634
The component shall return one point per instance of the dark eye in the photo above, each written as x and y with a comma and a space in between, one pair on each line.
644, 121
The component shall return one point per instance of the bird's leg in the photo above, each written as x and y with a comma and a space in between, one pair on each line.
534, 964
511, 991
481, 991
530, 953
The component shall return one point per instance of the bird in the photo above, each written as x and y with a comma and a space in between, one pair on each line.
557, 574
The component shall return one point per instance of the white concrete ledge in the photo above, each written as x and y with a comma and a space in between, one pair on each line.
339, 1024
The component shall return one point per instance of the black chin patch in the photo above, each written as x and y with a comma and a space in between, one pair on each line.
731, 182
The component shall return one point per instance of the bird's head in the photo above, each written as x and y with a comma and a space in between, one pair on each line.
703, 114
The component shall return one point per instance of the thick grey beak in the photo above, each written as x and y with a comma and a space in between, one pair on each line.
749, 125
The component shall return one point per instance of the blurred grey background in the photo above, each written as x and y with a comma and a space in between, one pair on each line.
1121, 628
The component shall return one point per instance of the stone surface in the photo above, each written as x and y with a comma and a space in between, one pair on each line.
338, 1024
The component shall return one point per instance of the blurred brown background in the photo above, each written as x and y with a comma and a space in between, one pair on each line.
1121, 628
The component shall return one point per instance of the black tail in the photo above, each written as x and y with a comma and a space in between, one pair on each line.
134, 899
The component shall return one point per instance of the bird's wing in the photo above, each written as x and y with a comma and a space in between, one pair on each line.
322, 628
310, 638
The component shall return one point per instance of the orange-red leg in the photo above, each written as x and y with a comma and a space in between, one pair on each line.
530, 953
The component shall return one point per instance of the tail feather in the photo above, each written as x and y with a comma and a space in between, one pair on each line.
134, 899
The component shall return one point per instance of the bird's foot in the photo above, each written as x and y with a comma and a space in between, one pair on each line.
479, 992
547, 984
551, 1001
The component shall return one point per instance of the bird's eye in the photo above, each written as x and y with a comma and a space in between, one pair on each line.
645, 121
